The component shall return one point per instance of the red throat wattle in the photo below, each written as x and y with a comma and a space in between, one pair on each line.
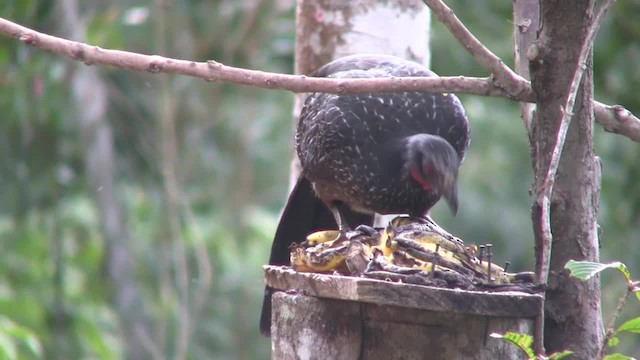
415, 174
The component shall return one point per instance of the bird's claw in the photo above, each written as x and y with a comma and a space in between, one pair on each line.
366, 230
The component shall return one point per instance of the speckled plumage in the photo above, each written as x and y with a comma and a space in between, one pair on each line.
353, 147
356, 152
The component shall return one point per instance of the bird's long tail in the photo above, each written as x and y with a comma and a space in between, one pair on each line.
303, 214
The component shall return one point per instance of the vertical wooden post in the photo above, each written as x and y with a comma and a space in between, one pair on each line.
337, 317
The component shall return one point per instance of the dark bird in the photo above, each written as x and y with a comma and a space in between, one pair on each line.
385, 153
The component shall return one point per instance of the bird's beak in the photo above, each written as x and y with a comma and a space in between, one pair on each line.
450, 192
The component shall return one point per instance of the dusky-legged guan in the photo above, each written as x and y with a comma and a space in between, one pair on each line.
385, 153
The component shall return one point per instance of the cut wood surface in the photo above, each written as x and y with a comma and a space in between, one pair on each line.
503, 304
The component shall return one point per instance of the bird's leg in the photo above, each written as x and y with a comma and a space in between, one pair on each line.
366, 230
343, 227
345, 232
335, 207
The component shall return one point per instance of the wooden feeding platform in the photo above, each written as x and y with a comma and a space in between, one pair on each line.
321, 316
408, 291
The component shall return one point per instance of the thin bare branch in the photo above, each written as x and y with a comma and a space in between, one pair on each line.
610, 330
616, 119
217, 72
514, 84
613, 118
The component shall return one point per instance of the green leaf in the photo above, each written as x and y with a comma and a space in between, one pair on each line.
34, 345
617, 356
560, 355
632, 326
12, 332
585, 270
522, 341
613, 342
7, 347
95, 340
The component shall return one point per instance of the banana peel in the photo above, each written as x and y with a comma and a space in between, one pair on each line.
405, 250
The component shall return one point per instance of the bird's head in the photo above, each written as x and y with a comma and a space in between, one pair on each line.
433, 164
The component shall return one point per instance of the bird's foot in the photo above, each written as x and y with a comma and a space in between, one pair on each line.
426, 219
366, 230
336, 236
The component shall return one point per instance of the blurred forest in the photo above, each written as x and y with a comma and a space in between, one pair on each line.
156, 196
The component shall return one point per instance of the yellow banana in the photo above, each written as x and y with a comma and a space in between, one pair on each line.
322, 236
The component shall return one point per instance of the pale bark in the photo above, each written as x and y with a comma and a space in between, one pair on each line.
90, 96
526, 20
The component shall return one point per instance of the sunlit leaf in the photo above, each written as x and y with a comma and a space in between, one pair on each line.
613, 341
632, 326
7, 347
15, 332
522, 341
585, 270
560, 355
95, 340
33, 344
618, 356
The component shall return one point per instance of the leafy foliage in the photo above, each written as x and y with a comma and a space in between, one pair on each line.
632, 326
617, 356
12, 336
585, 270
524, 342
232, 149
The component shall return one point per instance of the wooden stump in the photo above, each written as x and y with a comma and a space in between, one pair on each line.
336, 317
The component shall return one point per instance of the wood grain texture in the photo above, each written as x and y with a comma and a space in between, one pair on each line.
508, 304
307, 327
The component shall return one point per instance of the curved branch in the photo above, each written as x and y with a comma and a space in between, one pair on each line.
513, 83
613, 118
618, 120
217, 72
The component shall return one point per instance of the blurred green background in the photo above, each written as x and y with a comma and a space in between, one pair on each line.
199, 172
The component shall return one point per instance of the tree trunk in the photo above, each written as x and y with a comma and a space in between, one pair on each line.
96, 137
526, 21
572, 311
